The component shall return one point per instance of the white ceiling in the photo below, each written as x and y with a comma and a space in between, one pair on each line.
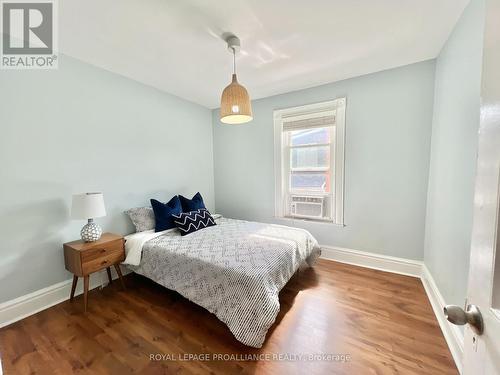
286, 45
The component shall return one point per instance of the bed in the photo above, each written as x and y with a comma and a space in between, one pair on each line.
234, 269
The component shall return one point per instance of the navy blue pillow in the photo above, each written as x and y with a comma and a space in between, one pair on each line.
194, 204
189, 222
164, 211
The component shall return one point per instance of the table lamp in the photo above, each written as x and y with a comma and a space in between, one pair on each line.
88, 206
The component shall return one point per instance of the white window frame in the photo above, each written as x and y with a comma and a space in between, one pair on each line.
281, 162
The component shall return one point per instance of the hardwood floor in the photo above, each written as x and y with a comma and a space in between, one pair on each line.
382, 321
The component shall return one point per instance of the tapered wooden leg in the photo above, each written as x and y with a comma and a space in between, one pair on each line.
73, 287
85, 291
119, 272
108, 270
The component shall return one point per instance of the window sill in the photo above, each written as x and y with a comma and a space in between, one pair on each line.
312, 221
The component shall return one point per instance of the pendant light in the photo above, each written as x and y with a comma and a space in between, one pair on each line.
235, 106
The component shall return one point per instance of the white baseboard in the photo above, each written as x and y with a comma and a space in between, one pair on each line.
22, 307
29, 304
370, 260
453, 335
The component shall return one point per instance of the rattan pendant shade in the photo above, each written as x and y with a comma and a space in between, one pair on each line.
235, 105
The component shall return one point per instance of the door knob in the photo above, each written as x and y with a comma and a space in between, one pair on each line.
472, 315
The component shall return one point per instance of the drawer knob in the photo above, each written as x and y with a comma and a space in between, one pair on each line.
104, 262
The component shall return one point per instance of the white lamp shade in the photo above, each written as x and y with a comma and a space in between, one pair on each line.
88, 206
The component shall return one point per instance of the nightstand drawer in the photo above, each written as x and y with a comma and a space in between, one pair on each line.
103, 261
102, 251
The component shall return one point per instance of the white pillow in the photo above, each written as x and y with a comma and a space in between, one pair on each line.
143, 218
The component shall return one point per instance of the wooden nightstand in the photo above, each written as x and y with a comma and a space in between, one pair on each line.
83, 258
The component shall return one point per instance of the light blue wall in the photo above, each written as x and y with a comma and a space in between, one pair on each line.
81, 129
78, 129
388, 127
453, 155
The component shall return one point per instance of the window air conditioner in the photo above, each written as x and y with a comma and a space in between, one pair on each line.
307, 206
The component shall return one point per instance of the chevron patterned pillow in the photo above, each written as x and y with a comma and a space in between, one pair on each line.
189, 222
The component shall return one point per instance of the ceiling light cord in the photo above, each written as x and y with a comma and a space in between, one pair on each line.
234, 60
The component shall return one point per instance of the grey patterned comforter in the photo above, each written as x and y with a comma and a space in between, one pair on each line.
234, 269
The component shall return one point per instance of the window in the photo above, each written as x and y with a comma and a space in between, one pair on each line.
309, 162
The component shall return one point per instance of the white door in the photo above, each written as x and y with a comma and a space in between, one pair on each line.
482, 351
